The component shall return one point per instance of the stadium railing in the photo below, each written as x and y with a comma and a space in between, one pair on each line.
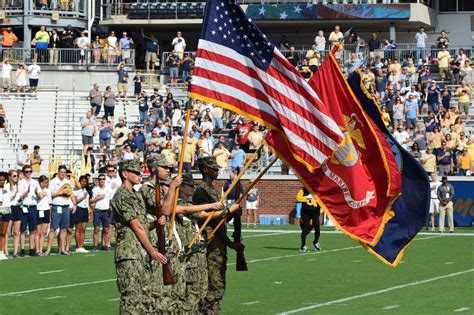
68, 56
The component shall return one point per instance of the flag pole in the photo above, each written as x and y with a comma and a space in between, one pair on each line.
180, 167
226, 193
242, 196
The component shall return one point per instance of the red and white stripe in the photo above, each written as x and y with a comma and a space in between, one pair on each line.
279, 96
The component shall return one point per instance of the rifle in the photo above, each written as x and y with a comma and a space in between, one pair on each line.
240, 263
168, 277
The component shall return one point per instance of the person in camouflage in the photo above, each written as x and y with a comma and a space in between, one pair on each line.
216, 254
162, 297
133, 247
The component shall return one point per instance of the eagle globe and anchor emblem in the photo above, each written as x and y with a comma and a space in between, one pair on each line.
347, 155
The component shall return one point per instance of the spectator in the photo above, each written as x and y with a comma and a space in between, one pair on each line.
67, 41
81, 217
207, 145
221, 154
313, 56
359, 46
251, 204
43, 194
6, 76
186, 64
243, 131
173, 61
231, 128
127, 153
293, 57
444, 159
380, 81
21, 82
255, 138
415, 151
5, 215
97, 49
374, 45
61, 192
466, 72
152, 51
42, 41
434, 204
320, 42
443, 62
353, 63
233, 193
398, 110
3, 121
122, 84
428, 161
139, 139
161, 129
142, 103
442, 40
420, 38
35, 159
88, 131
53, 45
179, 45
435, 138
238, 157
101, 196
386, 117
95, 99
9, 39
83, 44
402, 136
125, 45
34, 71
120, 134
111, 47
432, 96
170, 153
465, 94
105, 136
22, 159
156, 101
334, 38
464, 162
217, 118
109, 103
368, 78
445, 195
137, 83
411, 112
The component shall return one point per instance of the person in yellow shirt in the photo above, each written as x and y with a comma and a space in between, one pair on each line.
464, 92
313, 57
335, 38
428, 161
222, 155
169, 153
35, 160
386, 117
464, 163
310, 211
443, 62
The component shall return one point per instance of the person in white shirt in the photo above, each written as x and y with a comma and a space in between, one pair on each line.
5, 210
6, 76
112, 46
320, 42
83, 43
434, 204
112, 182
29, 220
402, 136
420, 38
101, 196
179, 45
23, 159
16, 214
61, 193
81, 216
43, 194
34, 71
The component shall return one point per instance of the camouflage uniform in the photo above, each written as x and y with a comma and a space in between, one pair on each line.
196, 264
130, 256
216, 250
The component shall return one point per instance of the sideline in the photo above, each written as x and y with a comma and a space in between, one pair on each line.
363, 295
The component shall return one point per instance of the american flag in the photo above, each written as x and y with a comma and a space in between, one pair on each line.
237, 67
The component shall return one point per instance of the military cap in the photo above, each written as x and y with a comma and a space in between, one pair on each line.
158, 160
188, 179
131, 165
209, 161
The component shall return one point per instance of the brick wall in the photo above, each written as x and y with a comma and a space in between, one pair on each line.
277, 193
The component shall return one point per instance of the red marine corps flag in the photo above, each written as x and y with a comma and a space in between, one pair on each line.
329, 147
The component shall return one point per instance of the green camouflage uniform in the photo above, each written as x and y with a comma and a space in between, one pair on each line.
216, 254
130, 257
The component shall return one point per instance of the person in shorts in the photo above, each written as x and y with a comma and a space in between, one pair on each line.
5, 210
101, 196
16, 213
81, 217
44, 212
29, 218
251, 204
61, 193
122, 84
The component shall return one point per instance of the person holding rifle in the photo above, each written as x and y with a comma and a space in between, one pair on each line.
134, 249
217, 248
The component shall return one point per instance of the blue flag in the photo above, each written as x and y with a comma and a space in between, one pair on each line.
411, 208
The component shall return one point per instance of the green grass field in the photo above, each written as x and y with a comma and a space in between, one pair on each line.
435, 277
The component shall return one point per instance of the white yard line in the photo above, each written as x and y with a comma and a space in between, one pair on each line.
449, 263
53, 297
462, 309
367, 294
56, 287
251, 303
48, 272
113, 300
389, 307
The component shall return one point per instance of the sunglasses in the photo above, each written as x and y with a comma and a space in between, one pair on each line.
27, 172
111, 171
101, 178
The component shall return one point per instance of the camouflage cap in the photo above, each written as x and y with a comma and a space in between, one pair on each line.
131, 165
188, 179
158, 160
209, 161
